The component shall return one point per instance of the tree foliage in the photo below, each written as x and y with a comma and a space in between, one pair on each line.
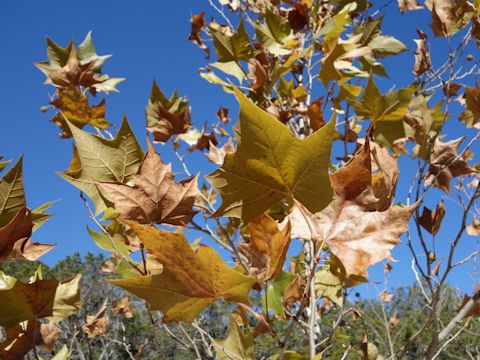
303, 207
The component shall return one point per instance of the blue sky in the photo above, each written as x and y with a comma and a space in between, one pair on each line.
148, 39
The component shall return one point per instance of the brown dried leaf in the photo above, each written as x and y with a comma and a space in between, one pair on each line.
315, 114
356, 235
431, 220
217, 154
257, 74
445, 164
155, 197
198, 22
96, 325
448, 17
266, 247
474, 228
15, 240
385, 296
122, 307
222, 115
352, 179
406, 5
294, 291
49, 334
422, 55
166, 117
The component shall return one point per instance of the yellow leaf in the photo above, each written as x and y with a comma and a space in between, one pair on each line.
190, 280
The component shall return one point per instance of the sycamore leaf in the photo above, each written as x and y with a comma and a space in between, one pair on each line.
273, 297
328, 285
423, 62
339, 59
233, 47
190, 280
431, 220
103, 160
166, 117
12, 194
80, 66
23, 337
426, 123
38, 299
238, 345
336, 25
155, 197
406, 5
217, 154
73, 105
122, 307
351, 180
198, 22
96, 325
474, 228
384, 45
266, 247
274, 34
448, 17
271, 164
357, 236
386, 111
444, 165
471, 115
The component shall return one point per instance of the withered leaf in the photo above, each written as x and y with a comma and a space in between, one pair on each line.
406, 5
96, 325
190, 280
445, 164
315, 114
73, 105
198, 22
357, 236
123, 307
448, 17
22, 337
422, 54
431, 220
474, 228
222, 115
217, 154
266, 247
257, 74
155, 197
166, 117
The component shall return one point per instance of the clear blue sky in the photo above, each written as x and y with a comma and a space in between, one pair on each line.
148, 39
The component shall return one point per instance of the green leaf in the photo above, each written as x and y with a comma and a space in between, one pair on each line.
232, 47
103, 160
39, 216
271, 165
274, 34
110, 243
86, 53
336, 25
238, 345
230, 68
377, 107
12, 194
383, 46
274, 294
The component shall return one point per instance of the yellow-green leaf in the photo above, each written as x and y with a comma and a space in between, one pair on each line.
103, 160
238, 345
271, 165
